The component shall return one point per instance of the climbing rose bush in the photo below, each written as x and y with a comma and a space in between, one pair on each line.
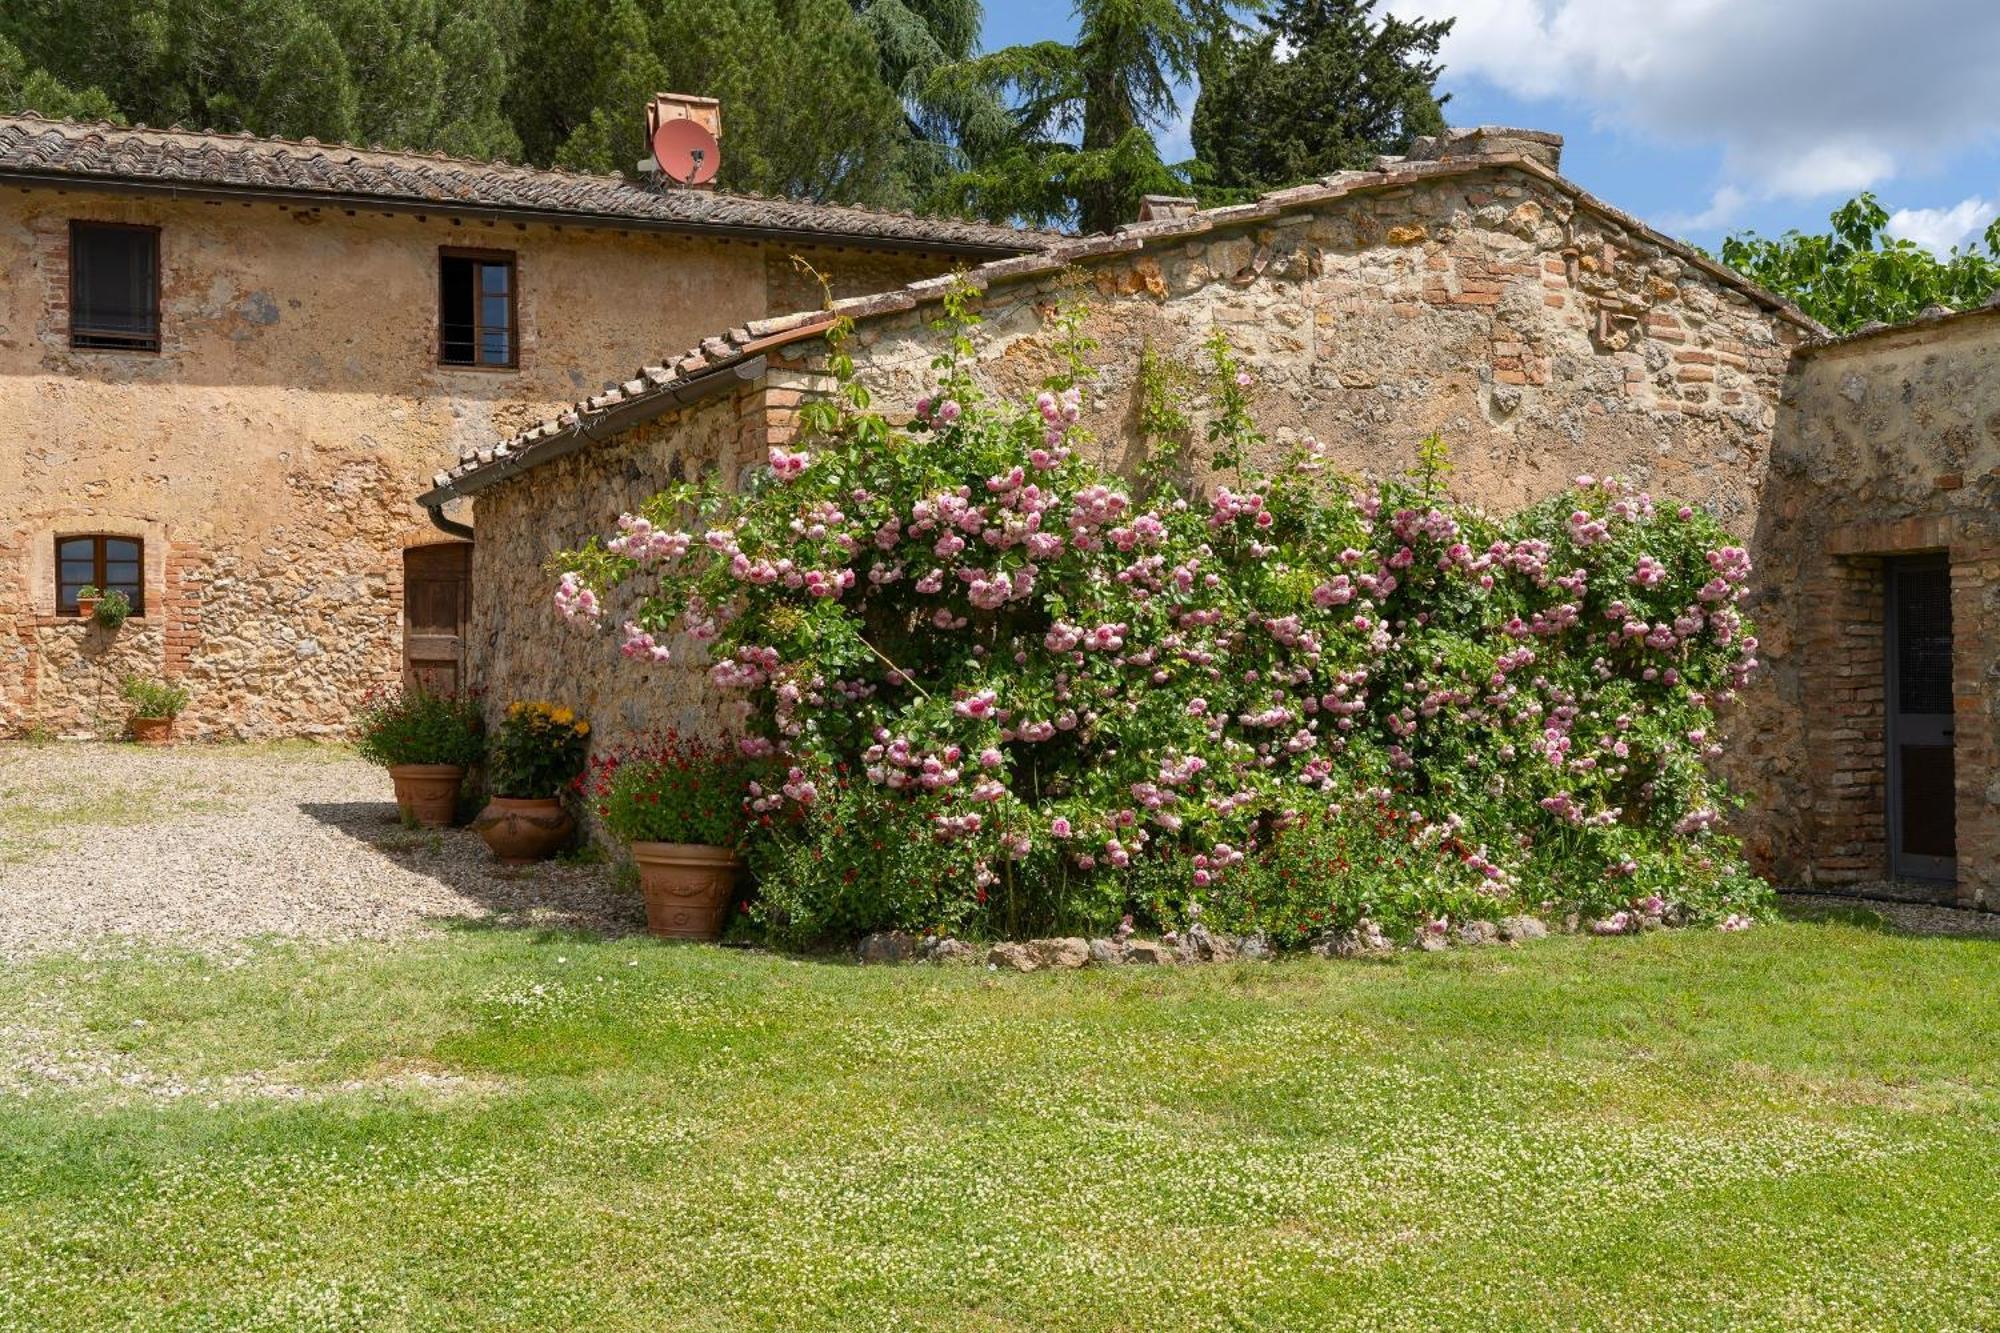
1104, 694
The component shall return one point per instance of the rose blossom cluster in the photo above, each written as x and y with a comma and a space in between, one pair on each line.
1063, 667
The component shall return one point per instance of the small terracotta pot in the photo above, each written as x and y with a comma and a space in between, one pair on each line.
152, 730
86, 608
428, 793
524, 831
687, 888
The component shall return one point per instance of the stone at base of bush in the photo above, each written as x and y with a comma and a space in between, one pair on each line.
1522, 928
1366, 940
1478, 932
886, 946
1067, 952
1016, 956
943, 949
1147, 951
1106, 953
1199, 946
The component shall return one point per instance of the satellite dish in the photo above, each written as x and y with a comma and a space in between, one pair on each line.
686, 153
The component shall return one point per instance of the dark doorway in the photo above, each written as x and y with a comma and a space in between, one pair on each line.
437, 599
1923, 816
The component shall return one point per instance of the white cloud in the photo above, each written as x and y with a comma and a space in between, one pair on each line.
1804, 97
1724, 207
1940, 229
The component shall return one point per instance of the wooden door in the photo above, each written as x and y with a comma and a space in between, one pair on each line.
1923, 800
437, 600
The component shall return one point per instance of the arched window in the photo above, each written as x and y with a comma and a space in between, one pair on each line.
103, 561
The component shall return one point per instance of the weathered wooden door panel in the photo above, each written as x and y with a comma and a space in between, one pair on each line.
437, 600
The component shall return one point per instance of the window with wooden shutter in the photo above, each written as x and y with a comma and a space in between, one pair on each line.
114, 287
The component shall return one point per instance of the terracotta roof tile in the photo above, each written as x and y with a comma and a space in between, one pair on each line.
137, 157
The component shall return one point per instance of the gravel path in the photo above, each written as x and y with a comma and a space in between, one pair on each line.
105, 845
1911, 917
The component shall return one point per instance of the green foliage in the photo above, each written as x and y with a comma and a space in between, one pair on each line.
673, 789
1857, 273
114, 608
815, 106
1079, 147
153, 698
537, 752
1107, 704
24, 85
404, 73
416, 726
1346, 88
857, 859
1333, 865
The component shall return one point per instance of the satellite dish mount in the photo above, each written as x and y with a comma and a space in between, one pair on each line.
684, 134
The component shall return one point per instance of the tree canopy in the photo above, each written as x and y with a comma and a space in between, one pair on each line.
1324, 86
1078, 146
822, 98
1857, 273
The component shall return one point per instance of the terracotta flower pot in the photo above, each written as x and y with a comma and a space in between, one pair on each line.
86, 608
523, 831
152, 730
687, 888
428, 793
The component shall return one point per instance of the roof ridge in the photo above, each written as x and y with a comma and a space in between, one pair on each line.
417, 156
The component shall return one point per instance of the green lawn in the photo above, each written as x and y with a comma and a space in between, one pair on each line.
1796, 1127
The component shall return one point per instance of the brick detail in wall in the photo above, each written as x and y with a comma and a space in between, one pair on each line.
1975, 631
1846, 723
186, 573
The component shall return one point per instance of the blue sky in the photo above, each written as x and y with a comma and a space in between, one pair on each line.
1711, 116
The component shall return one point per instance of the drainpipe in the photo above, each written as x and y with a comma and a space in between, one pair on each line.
460, 530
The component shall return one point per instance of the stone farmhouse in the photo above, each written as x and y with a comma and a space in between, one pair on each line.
232, 360
1469, 289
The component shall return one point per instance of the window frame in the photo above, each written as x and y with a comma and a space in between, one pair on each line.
478, 257
99, 562
84, 339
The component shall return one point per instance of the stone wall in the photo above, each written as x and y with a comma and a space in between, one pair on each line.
1889, 445
520, 648
1542, 338
268, 453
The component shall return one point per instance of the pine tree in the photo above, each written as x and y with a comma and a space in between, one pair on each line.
1325, 86
1080, 147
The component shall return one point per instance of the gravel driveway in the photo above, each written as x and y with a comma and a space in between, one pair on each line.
103, 845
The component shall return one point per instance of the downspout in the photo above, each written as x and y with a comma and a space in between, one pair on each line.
461, 531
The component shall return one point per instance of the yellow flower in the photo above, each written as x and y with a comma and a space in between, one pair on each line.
563, 715
582, 728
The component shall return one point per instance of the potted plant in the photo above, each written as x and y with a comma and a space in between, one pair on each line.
87, 598
155, 705
679, 804
426, 741
113, 609
537, 752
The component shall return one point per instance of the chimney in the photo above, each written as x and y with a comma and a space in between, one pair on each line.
695, 161
1478, 141
1162, 207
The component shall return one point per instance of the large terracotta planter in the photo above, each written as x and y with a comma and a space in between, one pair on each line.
427, 793
687, 888
152, 730
523, 831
